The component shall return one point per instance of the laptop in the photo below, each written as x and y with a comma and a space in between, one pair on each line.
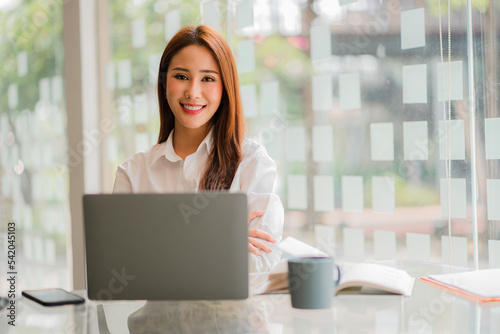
188, 246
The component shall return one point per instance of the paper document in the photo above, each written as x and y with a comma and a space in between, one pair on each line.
479, 285
292, 247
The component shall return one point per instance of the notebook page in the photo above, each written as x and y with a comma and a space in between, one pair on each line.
383, 277
292, 247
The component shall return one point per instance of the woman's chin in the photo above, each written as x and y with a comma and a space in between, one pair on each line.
191, 126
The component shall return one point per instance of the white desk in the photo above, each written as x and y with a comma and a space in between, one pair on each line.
428, 310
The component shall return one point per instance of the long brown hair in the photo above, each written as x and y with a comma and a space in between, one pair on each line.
228, 123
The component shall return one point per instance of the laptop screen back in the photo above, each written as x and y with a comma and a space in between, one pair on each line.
166, 246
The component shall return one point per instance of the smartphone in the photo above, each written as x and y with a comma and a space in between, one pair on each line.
53, 297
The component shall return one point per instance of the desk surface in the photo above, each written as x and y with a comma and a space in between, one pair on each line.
428, 310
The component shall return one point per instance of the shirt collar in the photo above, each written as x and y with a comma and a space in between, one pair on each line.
207, 142
166, 148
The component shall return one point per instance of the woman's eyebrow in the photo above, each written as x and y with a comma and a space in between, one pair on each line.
186, 70
209, 71
180, 69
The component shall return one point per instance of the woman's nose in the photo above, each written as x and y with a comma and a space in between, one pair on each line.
193, 90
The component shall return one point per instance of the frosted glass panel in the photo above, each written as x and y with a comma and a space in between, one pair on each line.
321, 43
296, 144
325, 238
50, 251
47, 155
493, 199
458, 251
111, 148
44, 89
246, 56
322, 143
110, 76
13, 96
453, 132
322, 93
382, 141
412, 28
138, 33
211, 14
352, 193
458, 197
48, 190
7, 185
172, 23
245, 13
141, 109
269, 97
4, 125
453, 84
323, 193
494, 253
124, 74
36, 189
354, 244
154, 64
125, 109
346, 2
383, 194
415, 141
384, 245
349, 91
141, 141
415, 84
492, 134
38, 249
57, 88
22, 63
297, 192
28, 247
418, 247
28, 217
249, 100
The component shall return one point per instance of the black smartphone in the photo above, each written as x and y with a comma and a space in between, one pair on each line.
53, 297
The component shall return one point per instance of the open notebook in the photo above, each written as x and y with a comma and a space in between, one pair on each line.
361, 278
480, 285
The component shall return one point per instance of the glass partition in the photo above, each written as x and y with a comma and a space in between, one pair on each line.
382, 117
33, 144
483, 39
364, 104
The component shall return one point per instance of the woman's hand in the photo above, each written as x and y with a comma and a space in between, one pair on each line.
255, 234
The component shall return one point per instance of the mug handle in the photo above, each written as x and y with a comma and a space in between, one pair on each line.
338, 279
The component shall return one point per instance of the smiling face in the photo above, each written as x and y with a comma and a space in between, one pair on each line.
194, 87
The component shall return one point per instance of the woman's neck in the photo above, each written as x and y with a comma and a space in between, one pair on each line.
186, 141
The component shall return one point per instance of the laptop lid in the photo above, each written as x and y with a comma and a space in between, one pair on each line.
166, 246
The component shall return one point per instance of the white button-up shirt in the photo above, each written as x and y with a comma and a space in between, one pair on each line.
160, 170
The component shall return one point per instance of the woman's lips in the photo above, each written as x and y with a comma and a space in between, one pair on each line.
192, 109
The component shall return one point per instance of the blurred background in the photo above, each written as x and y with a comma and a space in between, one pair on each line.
382, 116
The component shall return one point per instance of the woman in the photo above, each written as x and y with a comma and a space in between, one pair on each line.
201, 144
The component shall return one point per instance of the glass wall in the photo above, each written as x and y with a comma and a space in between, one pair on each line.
485, 34
365, 105
33, 145
382, 117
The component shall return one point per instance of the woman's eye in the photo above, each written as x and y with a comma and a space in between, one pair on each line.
208, 79
180, 77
